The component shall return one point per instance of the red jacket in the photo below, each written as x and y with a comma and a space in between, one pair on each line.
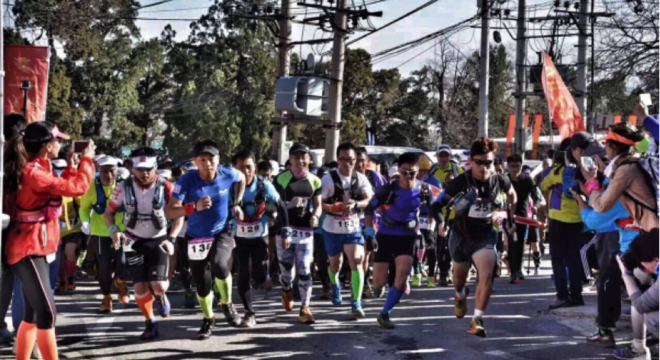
36, 230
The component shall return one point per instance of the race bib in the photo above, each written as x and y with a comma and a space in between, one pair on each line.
249, 230
302, 235
128, 244
426, 223
51, 257
342, 225
481, 210
198, 249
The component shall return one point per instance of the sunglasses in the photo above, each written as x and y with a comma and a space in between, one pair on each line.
347, 160
408, 173
482, 162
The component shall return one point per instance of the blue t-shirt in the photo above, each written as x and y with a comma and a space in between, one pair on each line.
270, 196
190, 188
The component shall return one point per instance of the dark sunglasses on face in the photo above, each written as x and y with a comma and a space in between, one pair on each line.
409, 173
482, 162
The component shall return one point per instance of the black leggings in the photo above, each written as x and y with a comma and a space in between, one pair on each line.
109, 261
183, 263
39, 304
321, 260
257, 251
215, 264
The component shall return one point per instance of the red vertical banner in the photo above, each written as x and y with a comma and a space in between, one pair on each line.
562, 106
26, 63
632, 119
509, 134
538, 121
617, 119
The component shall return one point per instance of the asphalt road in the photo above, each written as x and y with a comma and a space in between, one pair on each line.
426, 329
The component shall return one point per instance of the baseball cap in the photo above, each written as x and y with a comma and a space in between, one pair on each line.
298, 147
123, 173
394, 171
107, 161
581, 140
444, 148
206, 147
42, 132
58, 163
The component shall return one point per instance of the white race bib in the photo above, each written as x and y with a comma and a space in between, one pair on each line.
249, 230
198, 249
128, 244
302, 235
426, 223
342, 225
51, 257
481, 210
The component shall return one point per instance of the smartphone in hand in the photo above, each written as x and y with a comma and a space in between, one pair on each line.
79, 146
588, 163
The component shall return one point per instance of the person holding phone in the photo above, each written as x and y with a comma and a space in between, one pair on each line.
145, 242
34, 234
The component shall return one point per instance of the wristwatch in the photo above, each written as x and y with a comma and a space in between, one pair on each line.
238, 203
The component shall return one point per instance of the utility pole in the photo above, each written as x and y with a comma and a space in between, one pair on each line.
2, 115
521, 57
284, 38
336, 82
581, 86
483, 68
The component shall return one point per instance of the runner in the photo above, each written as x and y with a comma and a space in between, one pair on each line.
92, 209
145, 242
345, 194
376, 180
251, 234
397, 231
204, 195
473, 237
298, 188
70, 233
34, 232
426, 240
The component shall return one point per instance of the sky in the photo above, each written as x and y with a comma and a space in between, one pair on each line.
437, 16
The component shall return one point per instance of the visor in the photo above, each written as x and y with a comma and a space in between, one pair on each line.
164, 173
107, 161
144, 162
58, 134
618, 138
59, 163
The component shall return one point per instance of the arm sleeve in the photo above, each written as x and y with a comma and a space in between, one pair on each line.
646, 302
603, 202
117, 197
86, 202
42, 181
568, 181
651, 125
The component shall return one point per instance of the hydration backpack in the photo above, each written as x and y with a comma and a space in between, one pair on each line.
649, 166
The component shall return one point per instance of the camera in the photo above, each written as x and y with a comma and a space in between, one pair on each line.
25, 85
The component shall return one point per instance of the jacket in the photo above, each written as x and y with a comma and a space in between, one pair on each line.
606, 222
39, 193
562, 206
96, 223
72, 226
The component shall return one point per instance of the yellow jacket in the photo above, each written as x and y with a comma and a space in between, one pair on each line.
96, 222
562, 208
69, 221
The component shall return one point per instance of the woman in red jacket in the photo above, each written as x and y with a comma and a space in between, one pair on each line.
34, 231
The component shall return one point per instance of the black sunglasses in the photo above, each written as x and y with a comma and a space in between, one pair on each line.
482, 162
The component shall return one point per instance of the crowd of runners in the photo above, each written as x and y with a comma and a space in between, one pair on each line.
350, 224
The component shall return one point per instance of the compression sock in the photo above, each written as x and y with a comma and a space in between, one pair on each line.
357, 283
146, 304
334, 277
224, 286
393, 297
70, 268
25, 340
216, 287
47, 344
478, 313
206, 303
81, 258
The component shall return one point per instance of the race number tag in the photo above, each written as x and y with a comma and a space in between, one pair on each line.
426, 223
51, 257
341, 225
481, 210
302, 235
198, 249
249, 230
128, 244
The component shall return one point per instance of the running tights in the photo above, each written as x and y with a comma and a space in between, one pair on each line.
250, 252
109, 261
38, 300
215, 265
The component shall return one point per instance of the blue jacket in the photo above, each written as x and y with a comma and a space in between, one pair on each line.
606, 222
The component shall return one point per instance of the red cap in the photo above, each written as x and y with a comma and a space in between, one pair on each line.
58, 134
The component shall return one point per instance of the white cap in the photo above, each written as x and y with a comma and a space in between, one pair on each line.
165, 173
144, 162
58, 163
123, 173
274, 165
107, 161
97, 157
444, 148
394, 171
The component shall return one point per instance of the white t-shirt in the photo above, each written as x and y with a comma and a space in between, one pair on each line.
328, 185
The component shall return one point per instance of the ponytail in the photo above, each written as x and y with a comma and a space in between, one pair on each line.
16, 158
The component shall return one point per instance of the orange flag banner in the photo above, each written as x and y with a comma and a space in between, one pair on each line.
563, 109
509, 135
538, 121
26, 63
617, 119
632, 119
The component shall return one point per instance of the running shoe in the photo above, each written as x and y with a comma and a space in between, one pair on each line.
460, 305
577, 301
379, 292
357, 311
521, 276
231, 315
189, 299
151, 332
443, 280
287, 300
602, 338
629, 353
6, 336
407, 290
336, 295
383, 320
477, 327
249, 321
70, 283
559, 304
106, 305
122, 291
163, 305
207, 329
417, 280
305, 316
514, 279
431, 283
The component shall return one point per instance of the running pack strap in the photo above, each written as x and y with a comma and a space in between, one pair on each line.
157, 205
99, 206
338, 196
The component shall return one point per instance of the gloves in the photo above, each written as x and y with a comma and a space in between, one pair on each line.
369, 231
370, 236
85, 228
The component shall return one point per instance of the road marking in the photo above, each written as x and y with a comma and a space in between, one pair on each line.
503, 354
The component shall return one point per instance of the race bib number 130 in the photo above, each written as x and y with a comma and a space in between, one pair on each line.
198, 249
